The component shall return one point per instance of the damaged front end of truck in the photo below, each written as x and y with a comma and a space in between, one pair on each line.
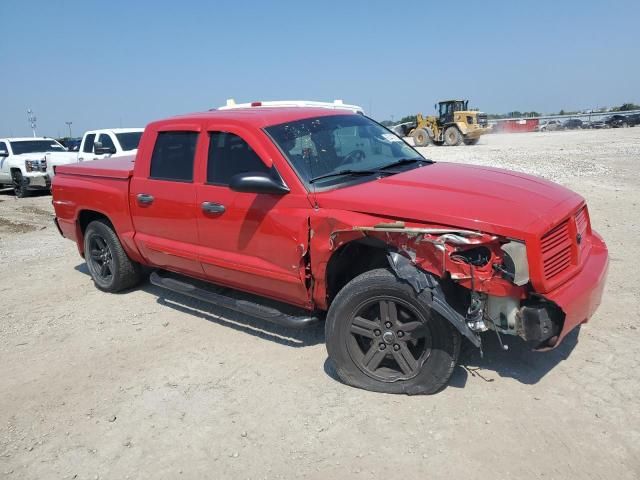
477, 281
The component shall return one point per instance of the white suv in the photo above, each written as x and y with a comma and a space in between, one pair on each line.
27, 163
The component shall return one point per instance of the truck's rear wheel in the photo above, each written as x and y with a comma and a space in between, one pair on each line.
452, 137
421, 137
110, 267
382, 337
19, 188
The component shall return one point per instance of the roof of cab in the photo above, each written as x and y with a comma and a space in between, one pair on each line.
116, 130
257, 117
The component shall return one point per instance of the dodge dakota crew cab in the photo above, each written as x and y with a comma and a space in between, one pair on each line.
297, 214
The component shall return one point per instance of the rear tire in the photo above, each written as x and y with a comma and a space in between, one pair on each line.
110, 267
452, 137
421, 137
19, 188
382, 337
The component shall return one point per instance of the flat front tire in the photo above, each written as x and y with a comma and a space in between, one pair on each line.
110, 267
381, 336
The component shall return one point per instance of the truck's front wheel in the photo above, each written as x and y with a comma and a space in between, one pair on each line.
110, 267
19, 187
382, 337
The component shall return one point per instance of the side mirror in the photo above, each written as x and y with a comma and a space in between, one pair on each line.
254, 182
4, 153
98, 149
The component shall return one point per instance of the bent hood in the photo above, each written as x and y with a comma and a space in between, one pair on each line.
465, 196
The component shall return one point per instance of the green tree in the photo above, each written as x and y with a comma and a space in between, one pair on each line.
625, 107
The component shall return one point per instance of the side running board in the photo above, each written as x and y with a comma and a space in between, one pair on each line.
254, 306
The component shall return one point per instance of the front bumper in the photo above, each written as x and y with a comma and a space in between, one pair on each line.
580, 297
476, 132
36, 180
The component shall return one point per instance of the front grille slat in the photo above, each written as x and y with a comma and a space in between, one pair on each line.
561, 246
581, 220
556, 250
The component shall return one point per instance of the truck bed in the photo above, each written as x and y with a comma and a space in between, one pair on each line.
120, 167
95, 189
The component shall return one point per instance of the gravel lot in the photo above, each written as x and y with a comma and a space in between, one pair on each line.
149, 385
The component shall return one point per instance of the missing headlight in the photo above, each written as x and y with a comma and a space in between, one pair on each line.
478, 256
515, 265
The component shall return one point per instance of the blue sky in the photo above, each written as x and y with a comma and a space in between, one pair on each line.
112, 63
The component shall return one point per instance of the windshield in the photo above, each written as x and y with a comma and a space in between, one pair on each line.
129, 140
36, 146
323, 146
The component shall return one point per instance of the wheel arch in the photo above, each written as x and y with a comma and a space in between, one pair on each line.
353, 259
361, 255
83, 219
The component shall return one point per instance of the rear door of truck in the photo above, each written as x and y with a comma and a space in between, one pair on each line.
162, 198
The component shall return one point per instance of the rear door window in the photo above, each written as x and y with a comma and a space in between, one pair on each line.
173, 156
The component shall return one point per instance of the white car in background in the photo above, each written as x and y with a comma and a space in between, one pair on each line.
27, 163
109, 142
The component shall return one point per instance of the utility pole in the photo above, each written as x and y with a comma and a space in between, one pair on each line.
32, 120
69, 125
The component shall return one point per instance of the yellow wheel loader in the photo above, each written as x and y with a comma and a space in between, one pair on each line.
454, 125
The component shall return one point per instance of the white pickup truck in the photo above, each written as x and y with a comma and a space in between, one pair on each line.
27, 163
112, 142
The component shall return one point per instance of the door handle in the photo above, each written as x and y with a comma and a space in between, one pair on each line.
211, 207
145, 199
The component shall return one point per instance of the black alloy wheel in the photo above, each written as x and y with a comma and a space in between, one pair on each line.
389, 339
100, 258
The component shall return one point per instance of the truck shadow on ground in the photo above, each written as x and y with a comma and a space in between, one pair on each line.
8, 192
228, 318
518, 362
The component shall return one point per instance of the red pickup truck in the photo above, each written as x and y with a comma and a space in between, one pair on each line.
296, 215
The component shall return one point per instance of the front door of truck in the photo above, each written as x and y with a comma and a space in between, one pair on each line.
5, 175
105, 140
162, 199
253, 242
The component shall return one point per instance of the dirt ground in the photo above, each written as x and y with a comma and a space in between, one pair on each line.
149, 385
